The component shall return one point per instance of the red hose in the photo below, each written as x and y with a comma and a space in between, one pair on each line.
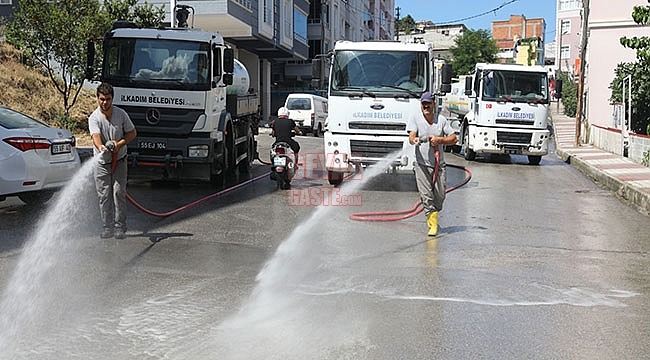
194, 203
417, 208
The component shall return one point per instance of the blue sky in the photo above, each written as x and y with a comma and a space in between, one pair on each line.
453, 11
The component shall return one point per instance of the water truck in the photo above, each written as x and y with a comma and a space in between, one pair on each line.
187, 96
374, 90
501, 109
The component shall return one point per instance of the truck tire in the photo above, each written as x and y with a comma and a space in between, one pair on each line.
534, 159
469, 154
335, 178
319, 130
245, 165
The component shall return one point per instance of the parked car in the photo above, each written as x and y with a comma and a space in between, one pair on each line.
309, 111
35, 158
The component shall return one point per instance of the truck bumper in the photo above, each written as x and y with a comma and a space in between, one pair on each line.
174, 162
348, 153
509, 141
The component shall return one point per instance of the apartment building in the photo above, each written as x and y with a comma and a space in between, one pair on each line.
443, 37
506, 33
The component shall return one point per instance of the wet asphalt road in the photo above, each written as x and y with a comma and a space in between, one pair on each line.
532, 262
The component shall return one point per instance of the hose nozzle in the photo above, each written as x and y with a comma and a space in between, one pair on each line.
110, 145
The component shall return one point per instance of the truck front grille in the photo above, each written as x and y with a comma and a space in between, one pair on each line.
357, 125
515, 122
506, 137
373, 149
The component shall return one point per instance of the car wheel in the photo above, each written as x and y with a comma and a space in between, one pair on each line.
36, 197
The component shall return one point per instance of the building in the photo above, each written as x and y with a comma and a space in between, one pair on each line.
506, 33
567, 36
607, 22
443, 37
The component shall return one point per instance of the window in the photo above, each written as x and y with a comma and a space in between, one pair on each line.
299, 26
570, 4
565, 27
565, 52
5, 2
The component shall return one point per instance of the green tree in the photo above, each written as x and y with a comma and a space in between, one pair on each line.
406, 24
474, 46
569, 95
639, 72
55, 34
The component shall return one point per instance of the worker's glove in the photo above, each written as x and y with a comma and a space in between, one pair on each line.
110, 145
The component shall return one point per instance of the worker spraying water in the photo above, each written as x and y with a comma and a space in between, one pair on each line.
430, 131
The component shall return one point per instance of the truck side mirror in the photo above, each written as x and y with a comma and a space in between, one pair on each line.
90, 59
558, 89
468, 86
227, 79
228, 61
445, 87
316, 68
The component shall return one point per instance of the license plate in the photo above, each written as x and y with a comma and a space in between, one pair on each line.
61, 148
152, 145
280, 161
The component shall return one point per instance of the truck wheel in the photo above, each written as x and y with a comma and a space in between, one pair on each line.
469, 154
245, 165
318, 130
335, 178
36, 197
534, 159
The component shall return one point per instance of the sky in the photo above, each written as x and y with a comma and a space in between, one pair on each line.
479, 14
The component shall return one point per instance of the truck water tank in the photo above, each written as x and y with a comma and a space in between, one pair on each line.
241, 80
456, 101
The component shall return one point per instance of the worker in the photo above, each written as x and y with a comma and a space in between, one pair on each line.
430, 131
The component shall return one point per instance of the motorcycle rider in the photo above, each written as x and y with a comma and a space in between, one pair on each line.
282, 129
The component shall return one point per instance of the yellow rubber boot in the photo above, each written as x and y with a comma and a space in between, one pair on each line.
432, 221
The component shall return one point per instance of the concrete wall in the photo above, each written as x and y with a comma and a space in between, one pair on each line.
611, 140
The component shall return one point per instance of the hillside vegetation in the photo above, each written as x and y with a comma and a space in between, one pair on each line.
29, 90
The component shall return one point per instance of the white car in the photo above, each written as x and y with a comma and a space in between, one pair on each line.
35, 158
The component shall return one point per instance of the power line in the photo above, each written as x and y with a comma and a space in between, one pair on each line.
478, 15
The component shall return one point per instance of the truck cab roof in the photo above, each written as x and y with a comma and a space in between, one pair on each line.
168, 34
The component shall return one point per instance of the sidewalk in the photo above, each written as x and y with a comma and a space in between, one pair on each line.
628, 180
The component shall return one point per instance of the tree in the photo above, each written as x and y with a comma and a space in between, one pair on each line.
639, 72
55, 35
406, 24
474, 46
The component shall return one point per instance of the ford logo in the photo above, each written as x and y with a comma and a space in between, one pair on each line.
516, 108
152, 116
376, 106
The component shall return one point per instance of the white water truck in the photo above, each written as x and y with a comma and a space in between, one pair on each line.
502, 109
374, 89
188, 98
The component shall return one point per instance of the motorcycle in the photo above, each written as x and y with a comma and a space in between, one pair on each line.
283, 167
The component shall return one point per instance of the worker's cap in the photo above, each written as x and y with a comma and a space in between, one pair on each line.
426, 97
283, 111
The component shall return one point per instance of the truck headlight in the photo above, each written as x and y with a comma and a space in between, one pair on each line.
198, 151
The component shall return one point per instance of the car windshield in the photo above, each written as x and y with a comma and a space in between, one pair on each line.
516, 86
157, 63
11, 119
376, 72
298, 104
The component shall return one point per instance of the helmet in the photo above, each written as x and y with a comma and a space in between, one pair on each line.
283, 112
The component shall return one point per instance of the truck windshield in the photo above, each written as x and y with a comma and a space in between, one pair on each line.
379, 71
515, 86
157, 63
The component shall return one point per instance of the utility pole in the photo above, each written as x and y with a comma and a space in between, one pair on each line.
397, 9
581, 81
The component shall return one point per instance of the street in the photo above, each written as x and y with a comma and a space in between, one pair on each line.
531, 262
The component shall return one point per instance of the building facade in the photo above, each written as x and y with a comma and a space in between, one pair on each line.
506, 33
607, 22
568, 36
443, 37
